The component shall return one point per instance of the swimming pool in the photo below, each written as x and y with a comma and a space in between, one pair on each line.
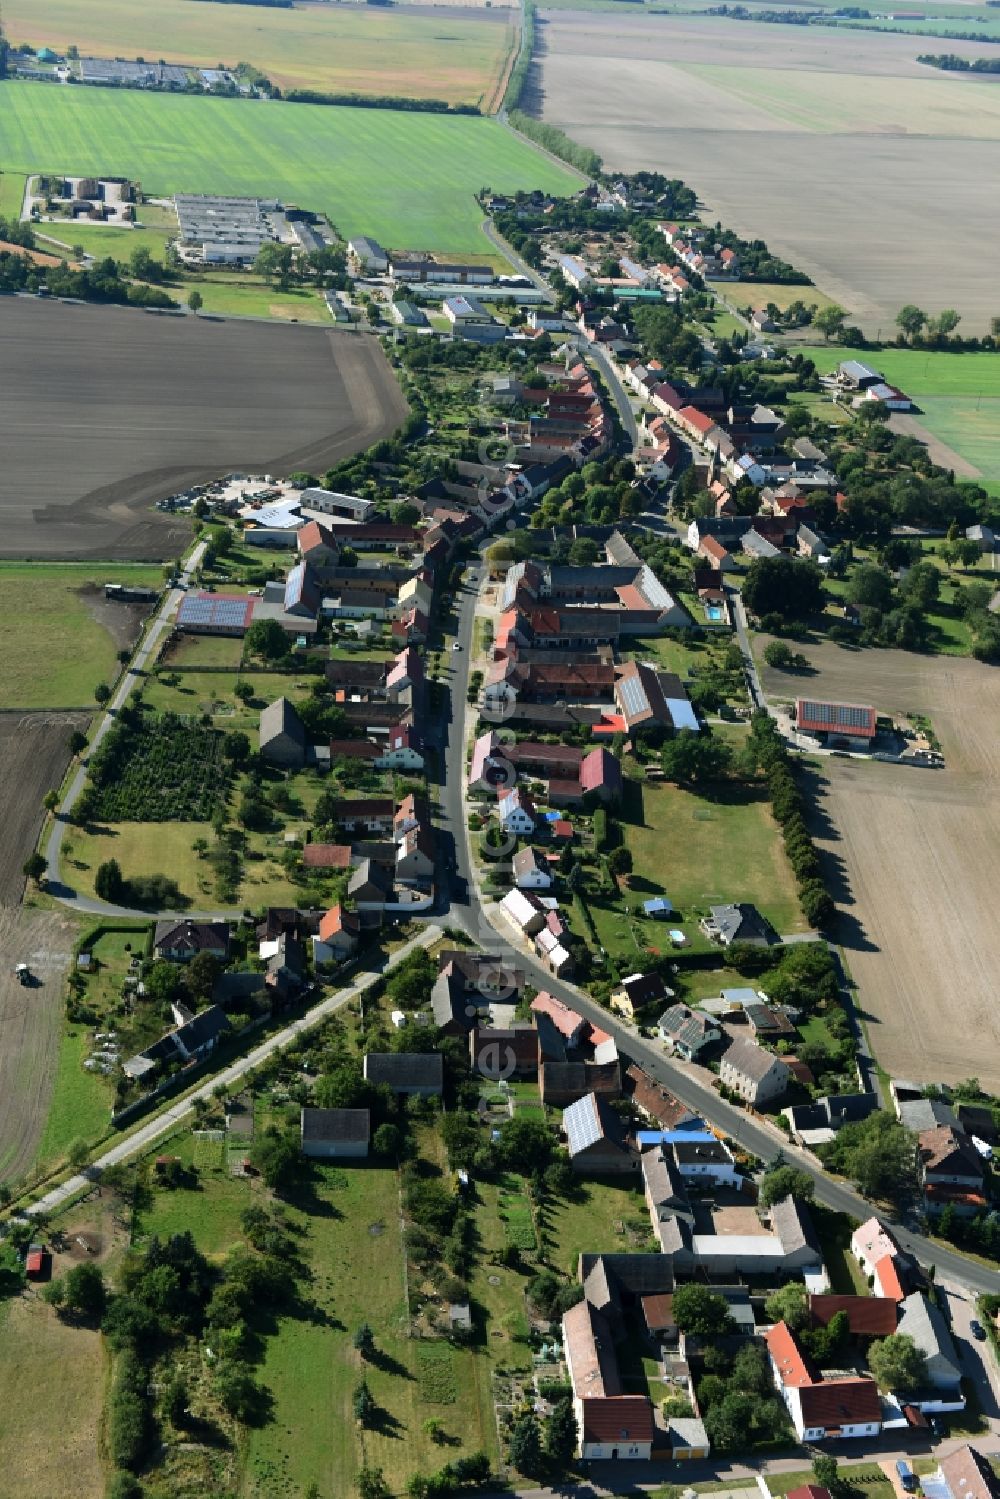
715, 612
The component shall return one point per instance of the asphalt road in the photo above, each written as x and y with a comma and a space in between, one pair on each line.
762, 1139
161, 1124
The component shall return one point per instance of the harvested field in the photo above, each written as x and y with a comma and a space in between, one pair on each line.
816, 112
30, 1023
89, 443
337, 48
914, 861
34, 751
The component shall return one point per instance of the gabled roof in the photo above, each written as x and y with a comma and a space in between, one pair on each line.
792, 1367
869, 1316
618, 1418
945, 1149
566, 1021
589, 1121
792, 1221
654, 1099
345, 1125
969, 1474
337, 920
327, 856
750, 1060
405, 1069
281, 717
840, 1402
600, 770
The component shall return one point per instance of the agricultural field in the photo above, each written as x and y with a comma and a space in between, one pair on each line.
59, 239
958, 396
706, 851
173, 401
35, 750
31, 1022
825, 109
60, 634
407, 179
933, 834
11, 195
336, 49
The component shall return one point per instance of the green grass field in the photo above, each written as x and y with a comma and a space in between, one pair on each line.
958, 396
338, 48
11, 195
81, 1101
54, 651
111, 240
595, 1222
407, 179
232, 298
706, 852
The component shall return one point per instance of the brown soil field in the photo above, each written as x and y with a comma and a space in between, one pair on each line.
34, 752
913, 857
30, 1023
828, 144
107, 409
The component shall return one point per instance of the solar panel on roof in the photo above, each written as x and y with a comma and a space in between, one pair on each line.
837, 715
633, 696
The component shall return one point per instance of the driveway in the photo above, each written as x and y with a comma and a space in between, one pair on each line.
978, 1360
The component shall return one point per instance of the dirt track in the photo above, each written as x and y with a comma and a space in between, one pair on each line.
915, 861
107, 409
30, 1024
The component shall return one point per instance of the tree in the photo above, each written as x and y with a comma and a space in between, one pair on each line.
946, 322
34, 867
910, 320
526, 1143
386, 1140
817, 904
620, 860
50, 800
791, 587
78, 740
830, 321
871, 587
102, 692
693, 759
275, 263
239, 1393
921, 585
266, 638
244, 691
276, 1156
696, 1309
786, 1181
876, 1153
364, 1340
372, 1484
779, 655
790, 1305
584, 552
109, 883
561, 1434
195, 300
525, 1448
236, 745
201, 974
363, 1403
85, 1295
897, 1363
826, 1472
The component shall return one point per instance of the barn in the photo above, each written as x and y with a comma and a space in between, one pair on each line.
838, 725
335, 1134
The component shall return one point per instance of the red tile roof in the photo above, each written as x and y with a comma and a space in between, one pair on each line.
566, 1021
887, 1278
793, 1369
696, 419
869, 1316
326, 856
809, 1491
840, 1402
617, 1418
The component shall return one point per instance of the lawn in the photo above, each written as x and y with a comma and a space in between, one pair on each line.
834, 1233
109, 240
605, 1217
341, 48
81, 1101
211, 1210
958, 395
50, 1444
865, 1478
231, 298
54, 650
406, 179
203, 650
311, 1367
11, 195
704, 851
141, 848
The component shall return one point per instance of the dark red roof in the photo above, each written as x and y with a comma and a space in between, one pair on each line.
869, 1316
617, 1418
326, 856
840, 1402
809, 1491
34, 1261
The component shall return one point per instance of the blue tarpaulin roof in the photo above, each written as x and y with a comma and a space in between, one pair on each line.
695, 1130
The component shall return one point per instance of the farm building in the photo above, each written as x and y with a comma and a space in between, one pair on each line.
368, 254
420, 1073
282, 734
335, 1134
844, 725
215, 614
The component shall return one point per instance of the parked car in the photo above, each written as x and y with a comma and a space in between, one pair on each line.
976, 1329
906, 1475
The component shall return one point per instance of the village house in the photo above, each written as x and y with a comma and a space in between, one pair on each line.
338, 936
180, 941
923, 1320
950, 1170
965, 1473
758, 1076
687, 1033
882, 1260
610, 1424
531, 872
335, 1134
821, 1409
516, 811
738, 923
418, 1074
636, 992
596, 1138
